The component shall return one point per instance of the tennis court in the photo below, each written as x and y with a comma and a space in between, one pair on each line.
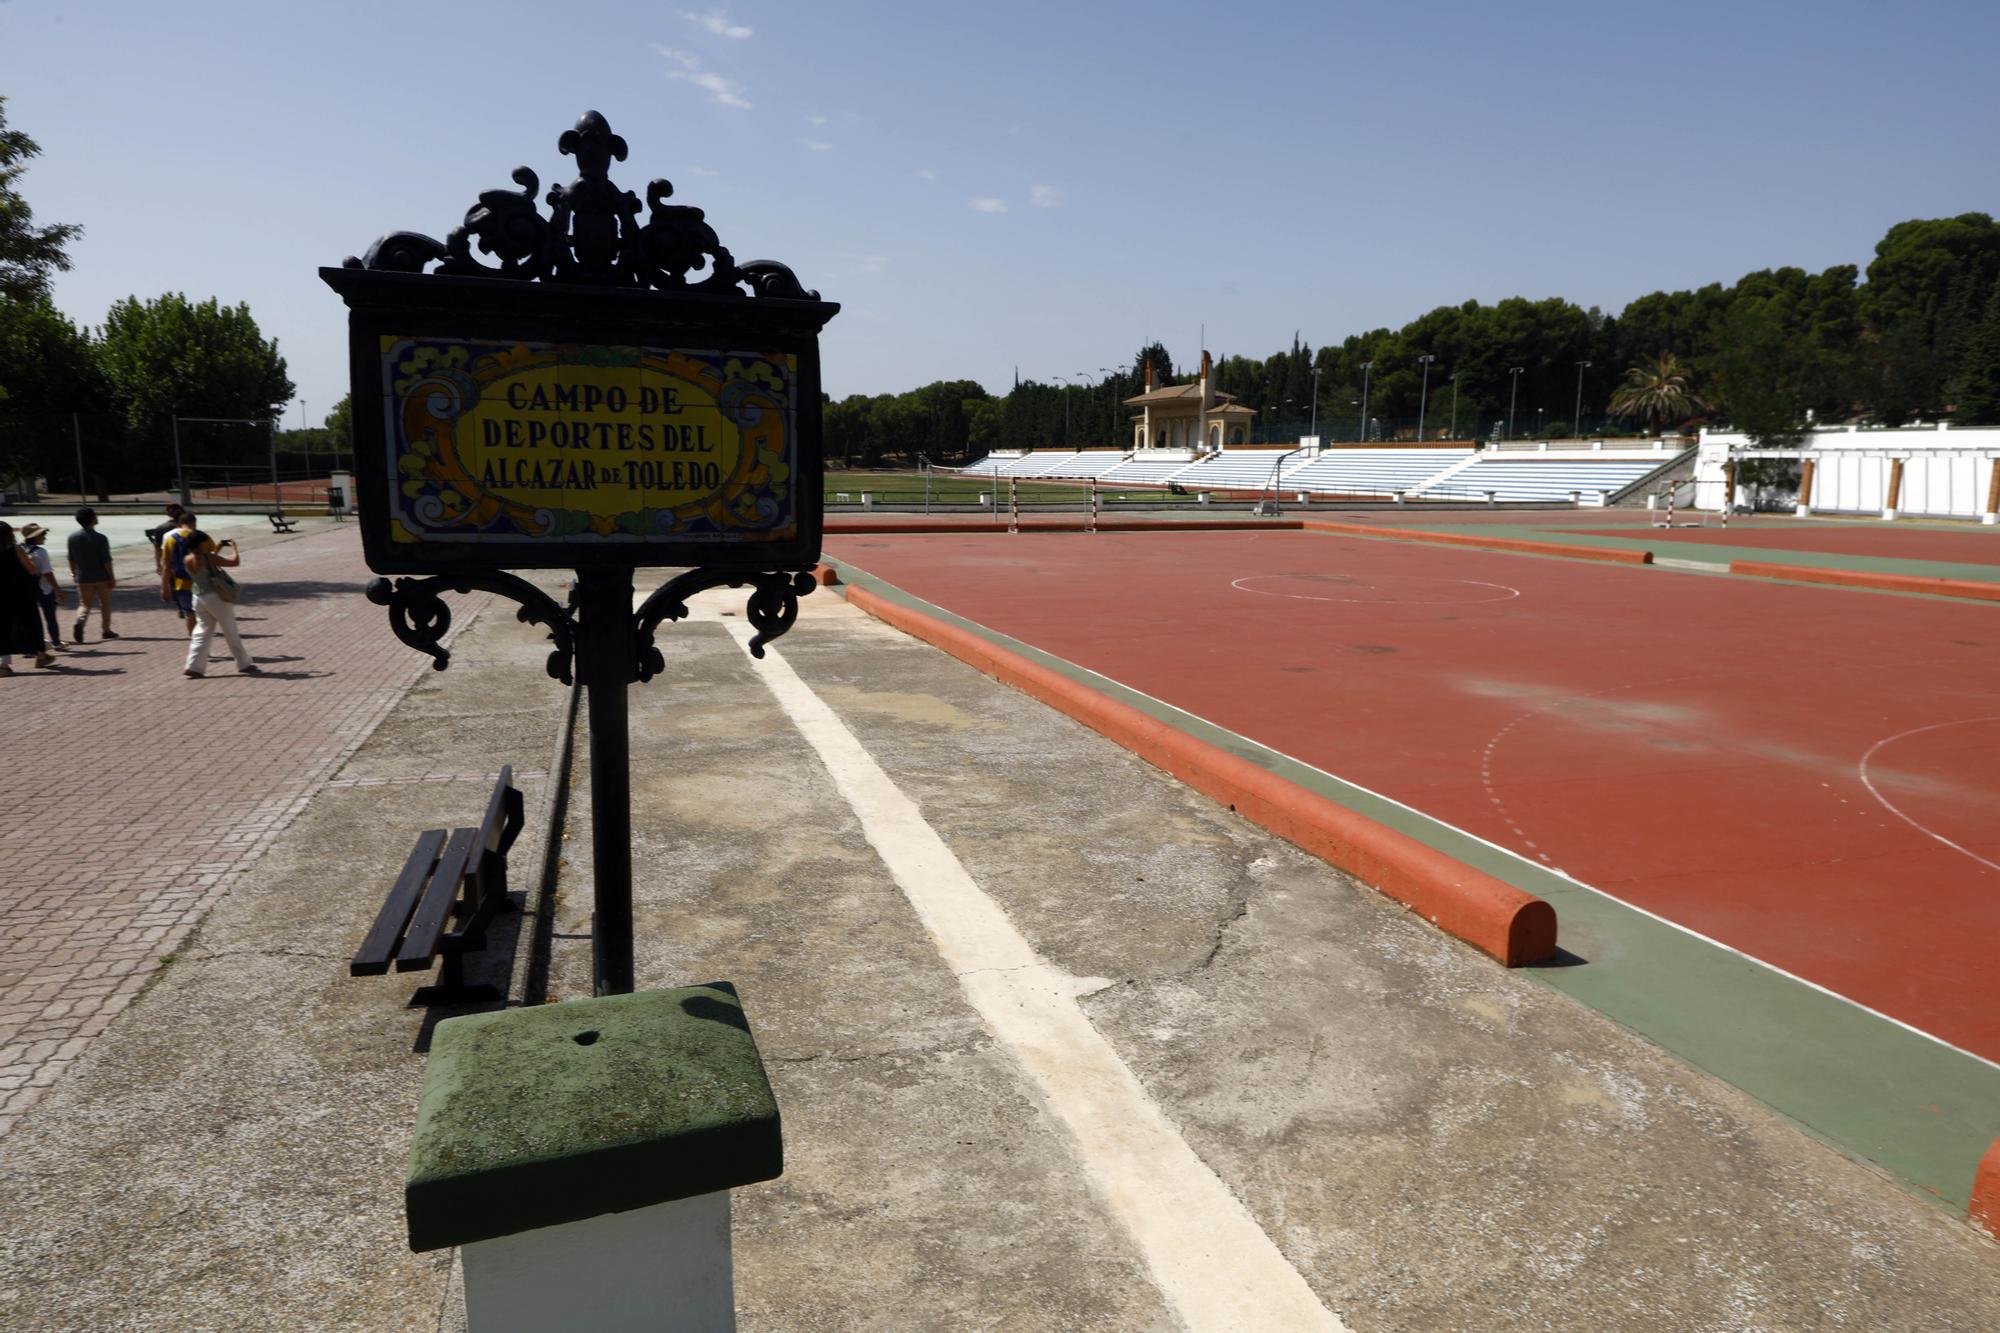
1806, 775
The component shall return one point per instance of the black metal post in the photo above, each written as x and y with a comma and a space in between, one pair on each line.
607, 664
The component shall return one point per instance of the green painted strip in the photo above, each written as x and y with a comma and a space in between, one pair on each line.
1859, 1082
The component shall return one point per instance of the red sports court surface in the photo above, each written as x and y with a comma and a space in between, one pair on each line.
1967, 548
1807, 774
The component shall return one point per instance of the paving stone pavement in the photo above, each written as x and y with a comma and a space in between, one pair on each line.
139, 793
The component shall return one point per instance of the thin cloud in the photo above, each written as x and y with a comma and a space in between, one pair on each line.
982, 204
717, 24
927, 174
874, 263
1045, 196
721, 89
817, 145
703, 171
815, 119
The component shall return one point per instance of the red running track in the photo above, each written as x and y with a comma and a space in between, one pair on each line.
1807, 774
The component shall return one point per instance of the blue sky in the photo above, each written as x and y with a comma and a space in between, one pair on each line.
1034, 185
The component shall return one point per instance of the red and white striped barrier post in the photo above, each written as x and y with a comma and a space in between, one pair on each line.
1013, 504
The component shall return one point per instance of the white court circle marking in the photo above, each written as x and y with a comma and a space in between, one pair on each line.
1894, 809
1506, 592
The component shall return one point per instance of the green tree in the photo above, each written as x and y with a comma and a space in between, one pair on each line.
1657, 394
171, 357
1976, 389
340, 426
1918, 306
29, 255
47, 373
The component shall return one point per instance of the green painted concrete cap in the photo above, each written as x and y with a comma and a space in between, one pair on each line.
533, 1117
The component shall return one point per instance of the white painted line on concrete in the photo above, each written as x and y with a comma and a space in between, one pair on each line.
1204, 1251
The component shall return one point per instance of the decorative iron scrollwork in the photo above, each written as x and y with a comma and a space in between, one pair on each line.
773, 608
591, 236
421, 619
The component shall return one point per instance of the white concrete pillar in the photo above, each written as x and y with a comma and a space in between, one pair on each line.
652, 1269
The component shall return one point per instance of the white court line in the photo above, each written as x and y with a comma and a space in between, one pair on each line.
1201, 1246
1379, 601
1890, 805
1509, 852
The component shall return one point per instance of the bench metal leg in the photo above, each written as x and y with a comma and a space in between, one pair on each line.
450, 987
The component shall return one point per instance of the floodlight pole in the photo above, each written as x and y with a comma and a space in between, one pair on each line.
1513, 396
1423, 395
1366, 366
1314, 428
180, 473
1576, 422
1454, 406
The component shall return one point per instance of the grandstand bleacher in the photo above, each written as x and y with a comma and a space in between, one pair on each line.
1370, 471
1551, 479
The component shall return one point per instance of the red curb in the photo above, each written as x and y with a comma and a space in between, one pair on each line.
1612, 556
1514, 927
1984, 1207
842, 528
1856, 578
825, 576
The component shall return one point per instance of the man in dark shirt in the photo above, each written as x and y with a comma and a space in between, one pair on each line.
158, 534
90, 566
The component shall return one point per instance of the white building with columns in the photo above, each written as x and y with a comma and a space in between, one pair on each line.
1188, 416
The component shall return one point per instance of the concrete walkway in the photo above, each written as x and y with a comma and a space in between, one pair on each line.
885, 851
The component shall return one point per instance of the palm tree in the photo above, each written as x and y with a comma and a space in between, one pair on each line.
1659, 394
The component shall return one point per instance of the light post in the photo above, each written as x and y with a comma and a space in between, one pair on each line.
1366, 366
1513, 396
1423, 394
1313, 430
1454, 406
1576, 423
1065, 396
1539, 413
1111, 383
1090, 381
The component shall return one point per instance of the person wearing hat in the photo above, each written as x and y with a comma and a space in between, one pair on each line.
48, 592
90, 566
19, 632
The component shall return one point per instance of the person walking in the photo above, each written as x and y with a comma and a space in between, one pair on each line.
20, 619
214, 601
90, 567
48, 592
175, 586
158, 534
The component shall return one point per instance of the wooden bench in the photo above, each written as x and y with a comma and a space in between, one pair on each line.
450, 888
279, 523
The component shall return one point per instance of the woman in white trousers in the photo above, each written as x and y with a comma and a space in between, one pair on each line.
210, 611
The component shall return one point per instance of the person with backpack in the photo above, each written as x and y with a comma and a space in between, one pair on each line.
175, 586
214, 594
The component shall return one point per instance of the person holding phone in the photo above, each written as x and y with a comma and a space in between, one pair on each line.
214, 595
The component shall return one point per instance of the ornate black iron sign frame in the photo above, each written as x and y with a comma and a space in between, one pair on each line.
606, 394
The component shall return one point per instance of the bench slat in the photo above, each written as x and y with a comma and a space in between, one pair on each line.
433, 912
379, 946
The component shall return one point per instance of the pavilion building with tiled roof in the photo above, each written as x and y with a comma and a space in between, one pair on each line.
1189, 416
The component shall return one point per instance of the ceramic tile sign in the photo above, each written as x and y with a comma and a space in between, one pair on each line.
508, 448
